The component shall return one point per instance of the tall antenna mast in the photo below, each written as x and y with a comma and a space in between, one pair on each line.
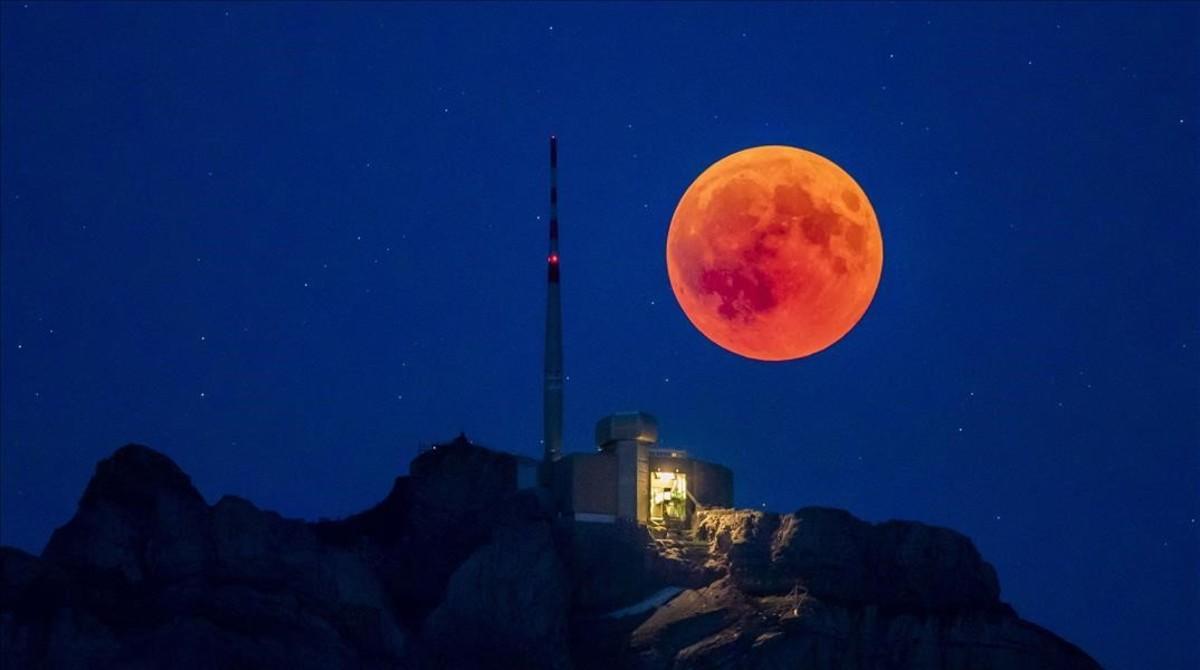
553, 386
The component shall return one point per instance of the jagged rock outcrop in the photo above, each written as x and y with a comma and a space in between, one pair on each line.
459, 567
147, 575
512, 596
722, 626
820, 589
838, 558
432, 520
140, 516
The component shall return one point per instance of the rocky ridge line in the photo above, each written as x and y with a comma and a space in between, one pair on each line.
456, 567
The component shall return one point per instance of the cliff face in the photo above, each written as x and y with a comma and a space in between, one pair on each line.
147, 575
456, 568
819, 588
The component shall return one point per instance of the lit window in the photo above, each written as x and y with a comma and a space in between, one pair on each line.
668, 496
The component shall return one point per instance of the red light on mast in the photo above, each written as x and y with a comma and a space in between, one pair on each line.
553, 258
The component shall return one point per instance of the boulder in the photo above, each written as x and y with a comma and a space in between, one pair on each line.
505, 607
686, 620
920, 567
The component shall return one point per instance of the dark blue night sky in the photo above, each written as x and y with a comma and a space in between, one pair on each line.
285, 244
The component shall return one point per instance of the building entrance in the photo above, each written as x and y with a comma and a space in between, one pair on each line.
668, 496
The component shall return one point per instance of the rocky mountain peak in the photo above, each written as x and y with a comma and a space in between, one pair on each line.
140, 516
458, 567
134, 476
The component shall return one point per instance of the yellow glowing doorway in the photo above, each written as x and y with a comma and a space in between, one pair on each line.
668, 496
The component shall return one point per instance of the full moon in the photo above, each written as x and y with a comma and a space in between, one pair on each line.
774, 253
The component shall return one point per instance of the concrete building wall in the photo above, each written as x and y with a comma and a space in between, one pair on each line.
527, 473
643, 485
661, 460
708, 484
588, 483
632, 480
712, 484
614, 482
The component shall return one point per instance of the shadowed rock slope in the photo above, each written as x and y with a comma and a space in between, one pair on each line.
457, 567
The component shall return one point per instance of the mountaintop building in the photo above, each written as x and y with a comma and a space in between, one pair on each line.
629, 475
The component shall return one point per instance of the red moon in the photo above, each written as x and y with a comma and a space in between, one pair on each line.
774, 253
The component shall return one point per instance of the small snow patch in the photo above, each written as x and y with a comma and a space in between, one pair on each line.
655, 601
